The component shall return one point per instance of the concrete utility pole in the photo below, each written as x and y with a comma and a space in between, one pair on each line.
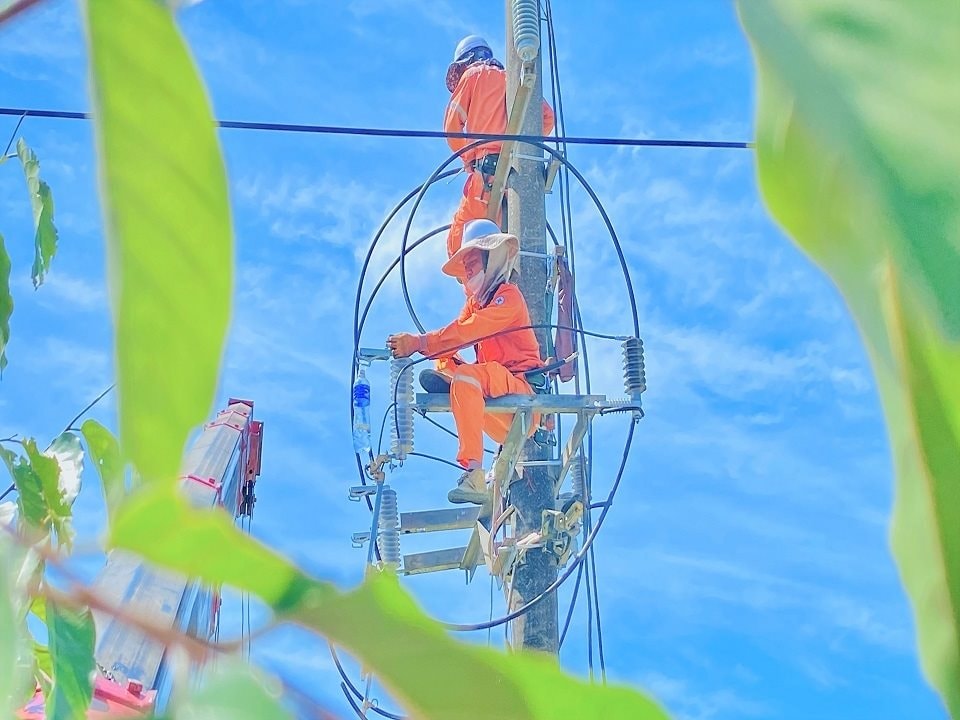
533, 492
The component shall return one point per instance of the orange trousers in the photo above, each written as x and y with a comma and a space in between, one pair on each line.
470, 385
473, 206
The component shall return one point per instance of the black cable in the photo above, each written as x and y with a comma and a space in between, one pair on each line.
386, 274
353, 703
434, 457
13, 136
573, 604
596, 608
386, 132
88, 407
577, 559
589, 624
383, 425
402, 257
69, 426
357, 324
447, 430
353, 688
583, 182
413, 211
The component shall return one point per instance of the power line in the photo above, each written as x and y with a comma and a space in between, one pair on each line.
70, 427
406, 133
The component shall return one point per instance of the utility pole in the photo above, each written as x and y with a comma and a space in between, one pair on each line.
532, 493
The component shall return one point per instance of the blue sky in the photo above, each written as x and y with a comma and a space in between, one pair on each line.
744, 570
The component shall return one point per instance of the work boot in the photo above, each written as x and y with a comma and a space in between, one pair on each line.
434, 381
471, 488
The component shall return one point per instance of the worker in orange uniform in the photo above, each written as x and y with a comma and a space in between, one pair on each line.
478, 105
487, 265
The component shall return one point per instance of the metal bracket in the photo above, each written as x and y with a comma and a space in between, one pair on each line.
362, 491
358, 539
375, 468
369, 354
552, 169
558, 529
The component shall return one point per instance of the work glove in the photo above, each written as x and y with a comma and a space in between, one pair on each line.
405, 344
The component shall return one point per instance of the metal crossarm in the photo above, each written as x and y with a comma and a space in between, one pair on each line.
423, 521
576, 404
433, 560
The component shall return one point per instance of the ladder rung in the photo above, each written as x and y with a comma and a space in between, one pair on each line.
437, 520
433, 561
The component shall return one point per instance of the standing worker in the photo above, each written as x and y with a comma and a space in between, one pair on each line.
487, 265
478, 104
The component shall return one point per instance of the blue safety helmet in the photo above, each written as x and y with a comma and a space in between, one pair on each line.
470, 44
474, 229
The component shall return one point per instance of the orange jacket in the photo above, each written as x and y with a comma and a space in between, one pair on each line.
479, 105
517, 351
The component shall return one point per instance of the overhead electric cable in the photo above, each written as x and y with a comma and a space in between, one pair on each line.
403, 133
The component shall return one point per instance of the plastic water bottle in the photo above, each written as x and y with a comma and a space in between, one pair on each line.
361, 415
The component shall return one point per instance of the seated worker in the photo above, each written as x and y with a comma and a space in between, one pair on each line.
478, 104
487, 266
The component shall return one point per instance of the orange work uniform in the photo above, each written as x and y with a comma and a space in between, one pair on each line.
500, 362
478, 105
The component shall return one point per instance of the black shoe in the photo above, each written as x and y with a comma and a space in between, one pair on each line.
434, 382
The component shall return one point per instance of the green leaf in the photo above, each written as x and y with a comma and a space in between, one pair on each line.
170, 245
232, 690
43, 667
56, 507
16, 680
67, 451
857, 156
835, 59
105, 452
30, 499
71, 647
41, 200
6, 304
9, 458
45, 494
432, 674
147, 524
38, 606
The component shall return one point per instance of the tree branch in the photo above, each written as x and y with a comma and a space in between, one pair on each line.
15, 8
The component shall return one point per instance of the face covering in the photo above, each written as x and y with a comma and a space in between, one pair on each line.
475, 284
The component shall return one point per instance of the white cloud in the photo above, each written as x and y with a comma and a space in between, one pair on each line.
689, 702
73, 291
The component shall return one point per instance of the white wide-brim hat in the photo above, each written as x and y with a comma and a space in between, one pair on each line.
454, 266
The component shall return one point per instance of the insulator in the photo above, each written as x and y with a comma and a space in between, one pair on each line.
634, 376
401, 431
526, 29
388, 528
578, 477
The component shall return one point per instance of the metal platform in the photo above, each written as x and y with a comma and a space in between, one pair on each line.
469, 557
440, 402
